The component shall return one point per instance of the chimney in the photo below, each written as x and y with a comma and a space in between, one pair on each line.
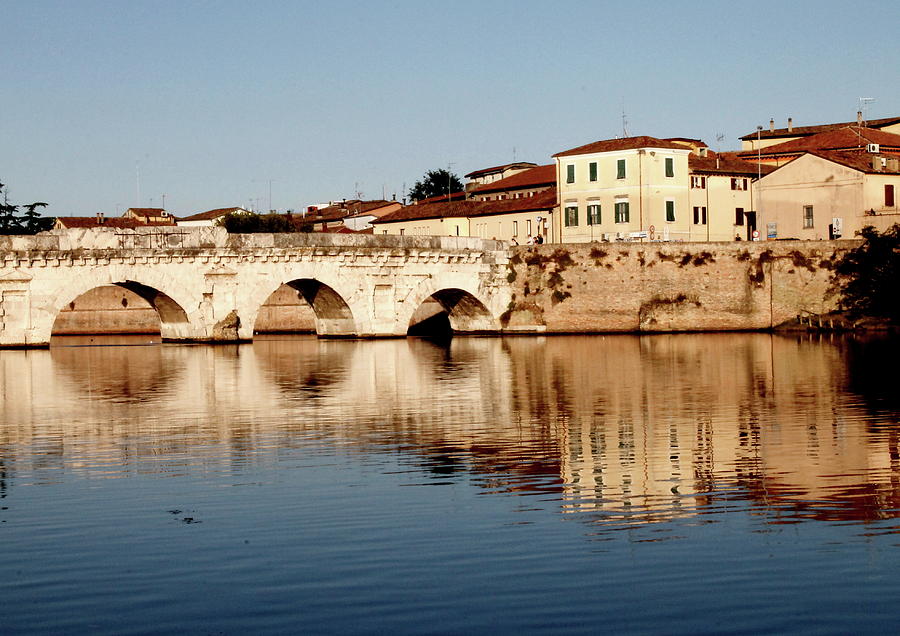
790, 124
877, 163
771, 125
99, 218
859, 118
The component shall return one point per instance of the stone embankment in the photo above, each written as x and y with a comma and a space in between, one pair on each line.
618, 287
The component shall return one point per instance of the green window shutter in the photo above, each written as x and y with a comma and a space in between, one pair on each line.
593, 170
620, 169
622, 212
625, 214
670, 167
670, 211
593, 214
570, 173
571, 215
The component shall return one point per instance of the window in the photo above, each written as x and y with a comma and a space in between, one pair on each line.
570, 173
593, 214
528, 226
515, 228
807, 217
699, 215
592, 171
621, 211
402, 231
698, 182
670, 167
670, 211
888, 195
739, 216
571, 215
620, 169
738, 184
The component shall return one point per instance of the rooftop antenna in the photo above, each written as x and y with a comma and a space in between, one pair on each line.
720, 137
449, 175
624, 120
514, 154
864, 107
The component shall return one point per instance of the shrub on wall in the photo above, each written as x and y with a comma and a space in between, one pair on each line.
868, 276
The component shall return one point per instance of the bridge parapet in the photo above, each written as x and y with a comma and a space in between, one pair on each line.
217, 237
208, 285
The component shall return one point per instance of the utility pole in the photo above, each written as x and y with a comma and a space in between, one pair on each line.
449, 173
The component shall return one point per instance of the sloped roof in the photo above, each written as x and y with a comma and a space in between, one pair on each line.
506, 166
853, 160
117, 222
625, 143
443, 197
211, 215
805, 131
545, 200
347, 208
726, 163
537, 176
146, 211
846, 138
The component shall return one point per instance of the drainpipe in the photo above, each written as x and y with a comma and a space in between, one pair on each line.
558, 204
641, 191
708, 212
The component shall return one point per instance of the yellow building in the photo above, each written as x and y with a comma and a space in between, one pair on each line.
644, 188
623, 189
721, 196
507, 220
827, 194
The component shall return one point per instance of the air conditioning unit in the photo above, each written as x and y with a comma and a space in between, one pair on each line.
873, 148
604, 237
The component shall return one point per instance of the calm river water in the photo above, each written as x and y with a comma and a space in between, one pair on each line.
738, 483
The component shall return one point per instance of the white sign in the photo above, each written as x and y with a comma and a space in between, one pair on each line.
837, 226
637, 234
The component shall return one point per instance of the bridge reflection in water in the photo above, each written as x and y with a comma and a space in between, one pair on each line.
623, 431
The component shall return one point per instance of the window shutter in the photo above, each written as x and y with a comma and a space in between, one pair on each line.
593, 171
670, 211
620, 169
670, 167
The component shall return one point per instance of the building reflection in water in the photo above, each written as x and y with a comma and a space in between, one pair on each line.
621, 430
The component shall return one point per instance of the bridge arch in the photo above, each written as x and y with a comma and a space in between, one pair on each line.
448, 306
173, 306
327, 298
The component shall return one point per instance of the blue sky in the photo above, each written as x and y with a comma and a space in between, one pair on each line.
209, 102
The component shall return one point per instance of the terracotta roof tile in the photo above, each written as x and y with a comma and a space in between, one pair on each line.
537, 176
854, 160
545, 200
454, 196
210, 215
802, 131
625, 143
506, 166
846, 138
726, 163
113, 222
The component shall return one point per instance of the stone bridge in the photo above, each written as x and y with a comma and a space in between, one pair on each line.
207, 285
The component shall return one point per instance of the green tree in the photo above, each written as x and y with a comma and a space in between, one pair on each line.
868, 276
30, 221
434, 183
251, 223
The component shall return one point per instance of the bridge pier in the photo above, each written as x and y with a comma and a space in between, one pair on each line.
211, 286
